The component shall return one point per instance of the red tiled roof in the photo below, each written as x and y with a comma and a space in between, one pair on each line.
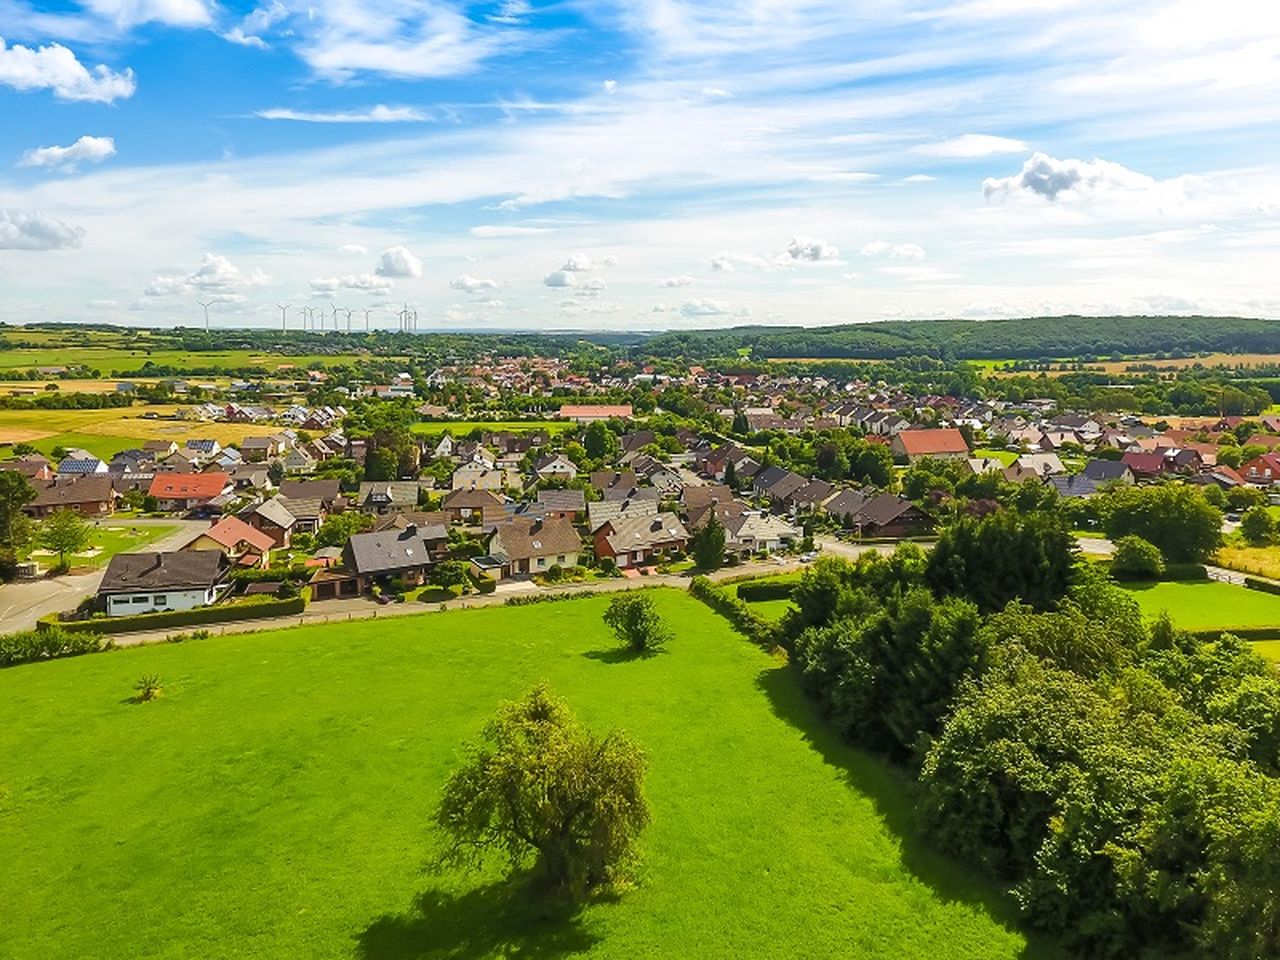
232, 531
572, 411
921, 443
188, 486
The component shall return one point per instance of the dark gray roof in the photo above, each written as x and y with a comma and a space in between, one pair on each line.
1076, 485
1103, 470
632, 493
391, 550
562, 500
326, 490
182, 569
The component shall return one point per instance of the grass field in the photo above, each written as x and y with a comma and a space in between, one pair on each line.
1006, 457
1208, 605
460, 428
1269, 649
104, 432
276, 802
107, 359
112, 537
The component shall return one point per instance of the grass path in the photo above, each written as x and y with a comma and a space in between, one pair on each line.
275, 802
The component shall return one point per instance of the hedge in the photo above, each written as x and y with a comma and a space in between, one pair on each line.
1250, 634
1266, 586
529, 599
226, 613
753, 627
47, 644
766, 590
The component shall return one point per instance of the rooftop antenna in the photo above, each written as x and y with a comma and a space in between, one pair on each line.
206, 304
284, 310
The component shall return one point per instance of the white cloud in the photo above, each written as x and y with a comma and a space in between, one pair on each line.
131, 13
971, 146
512, 12
610, 86
559, 278
469, 284
362, 282
56, 68
217, 278
726, 262
703, 307
684, 280
716, 93
591, 287
34, 231
398, 262
237, 36
919, 178
1053, 179
578, 263
811, 249
85, 150
379, 113
895, 251
353, 249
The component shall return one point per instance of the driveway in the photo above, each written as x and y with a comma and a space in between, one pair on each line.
23, 603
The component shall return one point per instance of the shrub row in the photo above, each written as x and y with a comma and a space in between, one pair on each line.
750, 592
1266, 586
1248, 634
1185, 571
754, 628
225, 613
47, 644
529, 599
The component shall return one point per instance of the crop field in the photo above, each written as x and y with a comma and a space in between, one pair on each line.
1208, 604
103, 432
1260, 561
276, 802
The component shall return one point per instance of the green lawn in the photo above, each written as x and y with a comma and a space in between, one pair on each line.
276, 802
770, 609
100, 446
1269, 649
114, 536
1208, 604
1006, 457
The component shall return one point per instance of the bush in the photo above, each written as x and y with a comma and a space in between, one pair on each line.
753, 592
1266, 586
47, 644
148, 688
1136, 559
486, 586
1258, 527
636, 623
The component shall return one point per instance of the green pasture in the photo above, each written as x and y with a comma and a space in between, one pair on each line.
1207, 604
276, 802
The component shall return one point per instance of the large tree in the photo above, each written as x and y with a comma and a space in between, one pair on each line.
708, 544
15, 526
1176, 518
547, 794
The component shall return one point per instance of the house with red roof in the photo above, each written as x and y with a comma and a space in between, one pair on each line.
184, 491
1262, 471
242, 544
942, 444
586, 413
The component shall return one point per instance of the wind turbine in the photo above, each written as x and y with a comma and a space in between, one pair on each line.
284, 310
366, 319
206, 304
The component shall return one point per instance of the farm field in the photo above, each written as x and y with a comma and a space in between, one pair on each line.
1260, 561
276, 802
104, 432
1207, 604
125, 360
460, 428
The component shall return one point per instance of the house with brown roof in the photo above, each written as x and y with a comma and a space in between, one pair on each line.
587, 413
638, 541
150, 582
524, 547
945, 443
467, 506
93, 495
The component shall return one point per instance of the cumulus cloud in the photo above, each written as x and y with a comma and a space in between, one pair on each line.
56, 68
610, 86
559, 278
703, 307
353, 249
379, 113
398, 262
811, 249
592, 287
85, 150
469, 284
1053, 179
216, 278
578, 263
35, 231
684, 280
725, 262
895, 251
132, 13
361, 282
237, 36
971, 146
512, 12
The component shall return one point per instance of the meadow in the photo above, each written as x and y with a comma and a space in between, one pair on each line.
1208, 604
1260, 561
276, 802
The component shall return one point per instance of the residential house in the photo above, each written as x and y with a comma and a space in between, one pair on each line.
1262, 471
617, 480
308, 512
811, 496
32, 466
562, 504
524, 547
468, 506
1040, 464
1108, 471
93, 495
390, 496
700, 496
892, 516
636, 541
588, 413
1075, 486
753, 532
273, 518
243, 545
1145, 466
186, 491
151, 582
603, 510
260, 449
327, 491
79, 463
406, 554
299, 460
159, 449
556, 467
478, 476
777, 483
205, 448
945, 443
247, 477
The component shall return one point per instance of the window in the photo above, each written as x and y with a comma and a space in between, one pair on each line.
139, 600
160, 598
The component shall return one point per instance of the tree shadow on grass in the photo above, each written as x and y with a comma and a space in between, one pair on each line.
621, 655
504, 919
892, 793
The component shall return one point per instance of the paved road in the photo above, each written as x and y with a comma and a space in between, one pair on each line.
23, 603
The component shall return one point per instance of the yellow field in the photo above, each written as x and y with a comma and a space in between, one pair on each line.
25, 387
19, 426
1260, 561
1226, 360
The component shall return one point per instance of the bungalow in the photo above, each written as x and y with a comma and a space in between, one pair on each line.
150, 582
888, 515
89, 496
406, 554
556, 467
752, 532
941, 444
525, 548
184, 491
636, 541
243, 545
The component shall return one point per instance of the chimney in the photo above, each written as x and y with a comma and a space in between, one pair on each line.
411, 529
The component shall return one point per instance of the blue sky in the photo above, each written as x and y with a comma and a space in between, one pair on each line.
647, 164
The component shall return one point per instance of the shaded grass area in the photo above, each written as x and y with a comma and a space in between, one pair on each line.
1269, 649
770, 609
275, 802
1207, 604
